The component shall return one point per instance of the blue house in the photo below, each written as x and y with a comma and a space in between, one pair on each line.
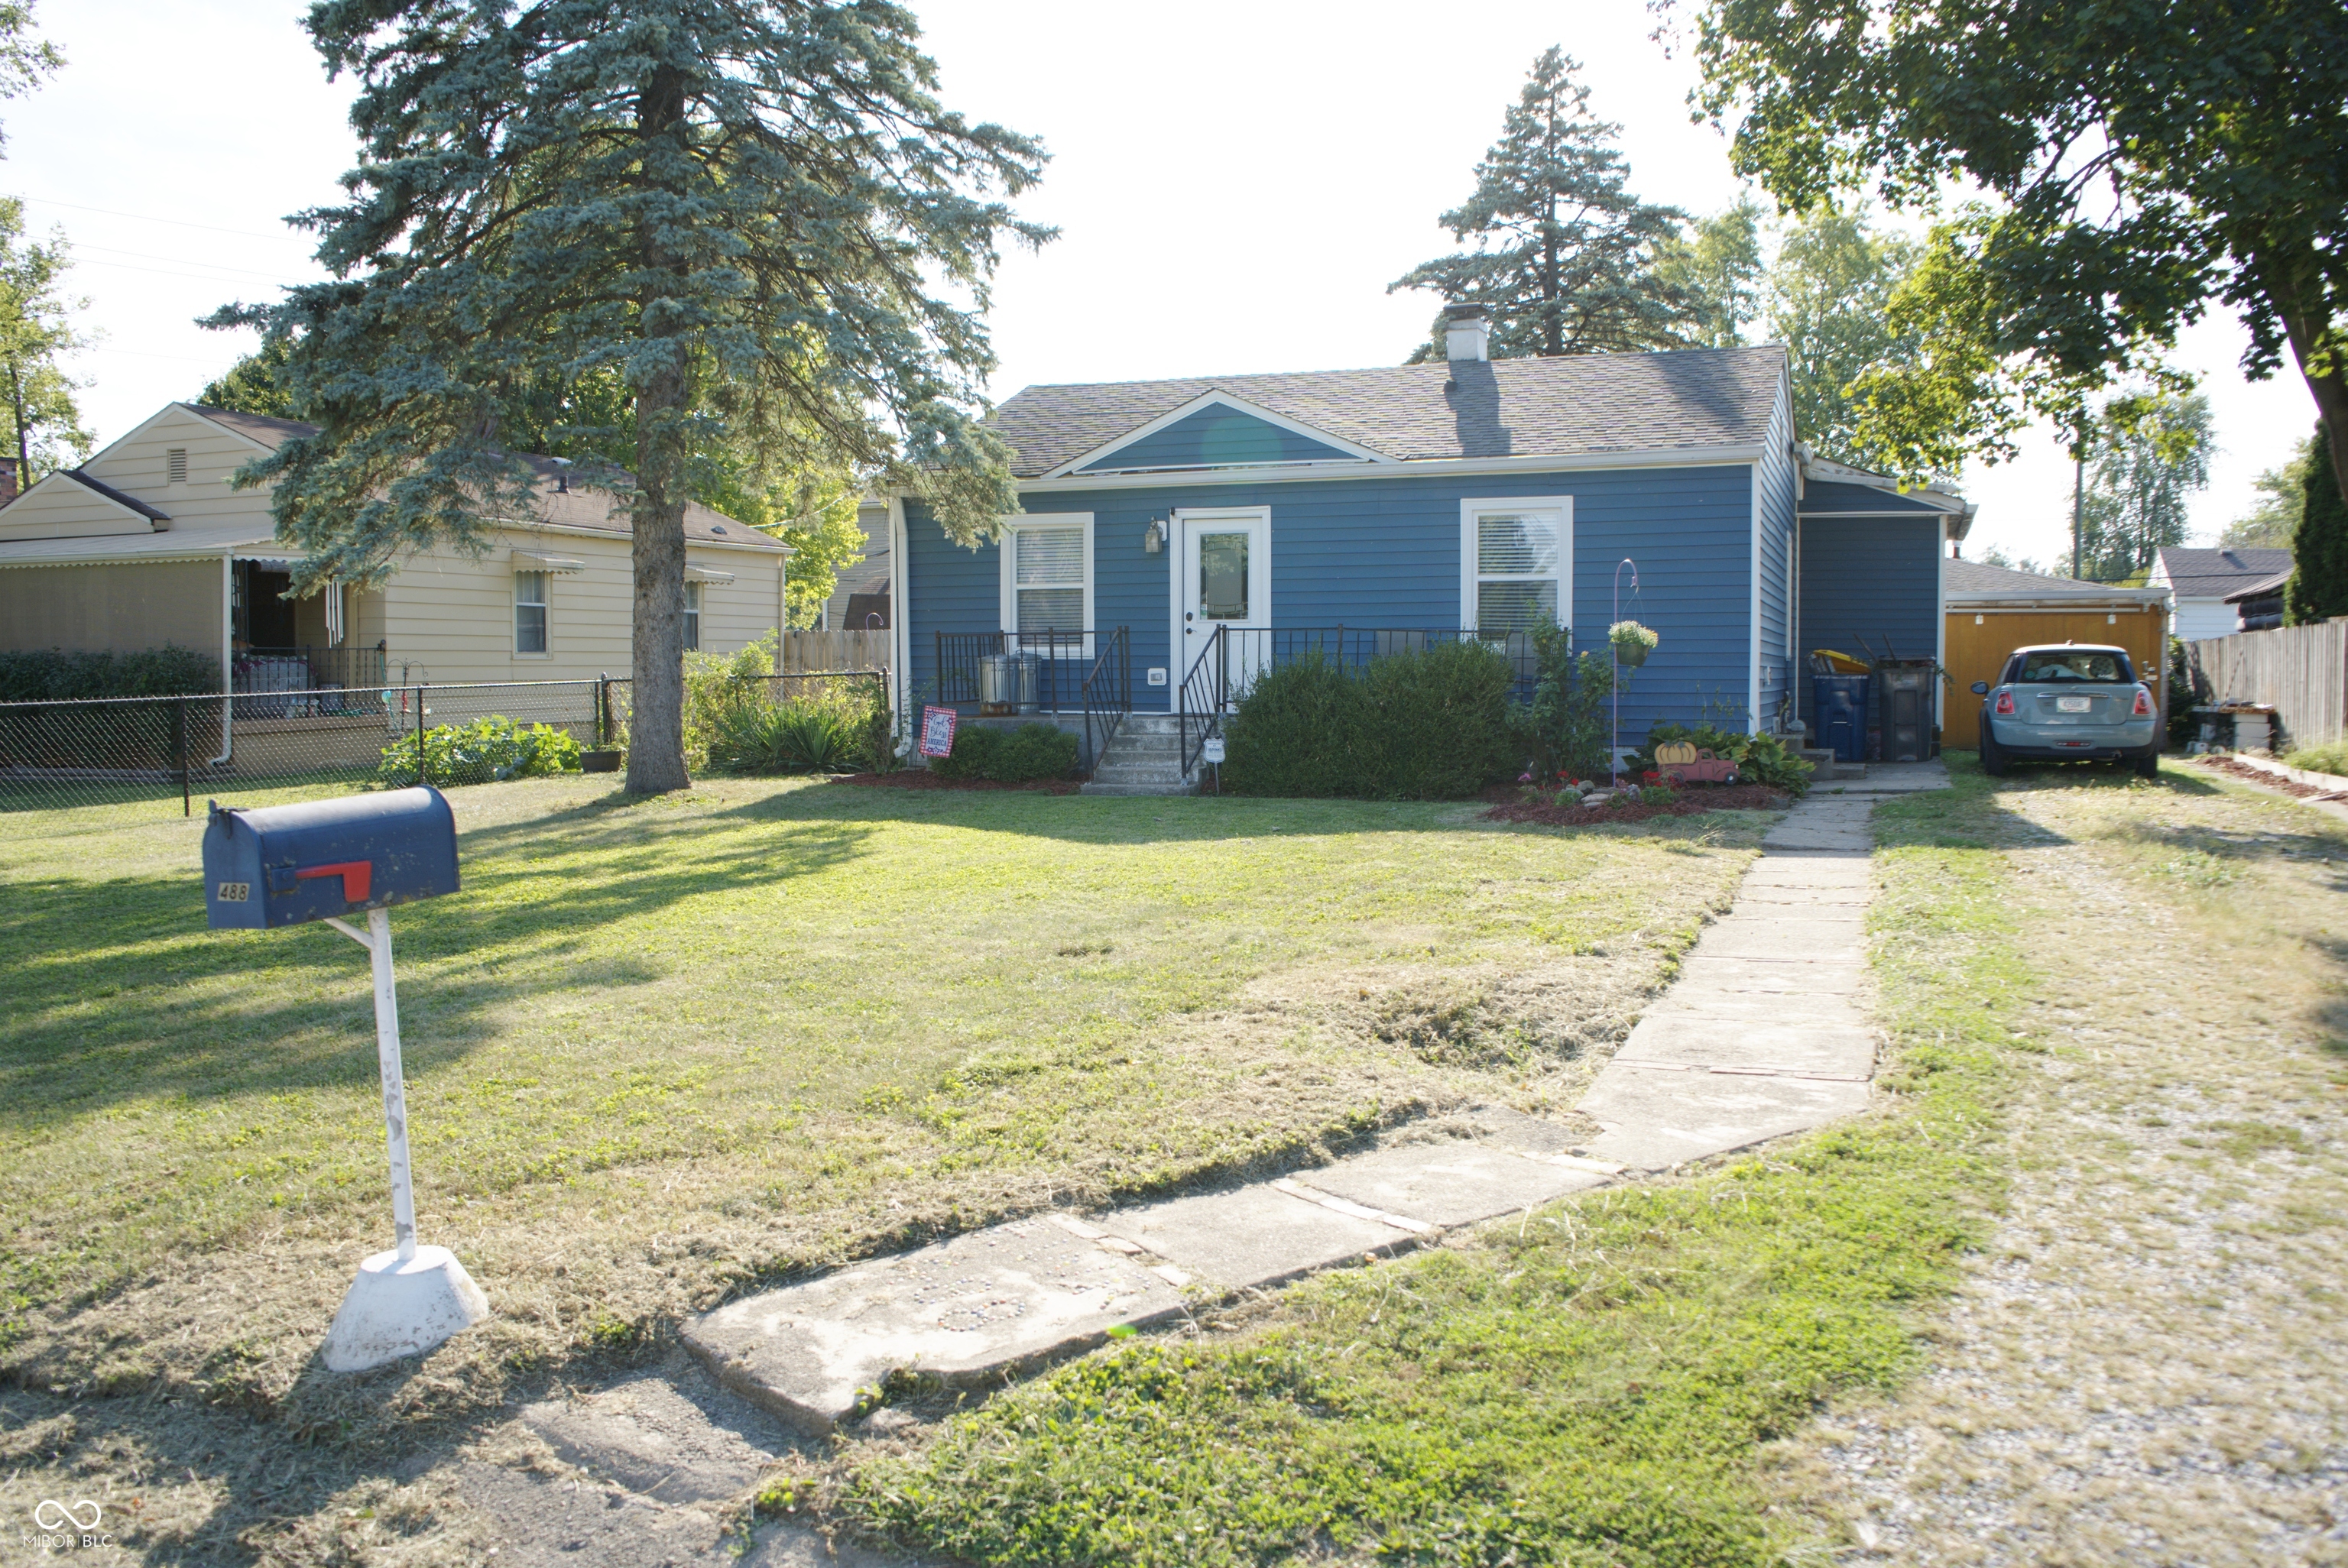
1178, 534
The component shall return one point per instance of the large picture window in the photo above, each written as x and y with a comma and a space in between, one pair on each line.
1047, 579
529, 613
1516, 569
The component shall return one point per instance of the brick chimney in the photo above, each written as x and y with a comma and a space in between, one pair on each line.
7, 480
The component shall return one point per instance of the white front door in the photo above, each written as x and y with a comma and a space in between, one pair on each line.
1223, 578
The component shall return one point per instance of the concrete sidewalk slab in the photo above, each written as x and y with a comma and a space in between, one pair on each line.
1251, 1236
1007, 1296
1657, 1119
1692, 1040
1853, 898
1804, 938
1824, 1010
1452, 1184
1824, 977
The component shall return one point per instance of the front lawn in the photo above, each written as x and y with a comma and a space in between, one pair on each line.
658, 1049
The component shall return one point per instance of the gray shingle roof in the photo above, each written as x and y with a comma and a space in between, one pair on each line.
2213, 574
118, 496
578, 508
1573, 406
1971, 580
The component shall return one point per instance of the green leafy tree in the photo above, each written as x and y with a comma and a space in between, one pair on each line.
1993, 555
2141, 164
2150, 456
1830, 293
255, 385
37, 331
753, 217
2318, 589
24, 59
1718, 264
1565, 257
2283, 500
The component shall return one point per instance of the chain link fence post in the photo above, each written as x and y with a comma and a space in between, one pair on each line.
180, 753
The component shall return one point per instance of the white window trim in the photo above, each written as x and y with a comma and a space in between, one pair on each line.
1006, 553
1471, 507
691, 615
513, 621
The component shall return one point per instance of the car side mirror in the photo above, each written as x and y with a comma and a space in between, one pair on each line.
1981, 688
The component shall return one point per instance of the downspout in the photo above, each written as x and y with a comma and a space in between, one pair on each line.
228, 656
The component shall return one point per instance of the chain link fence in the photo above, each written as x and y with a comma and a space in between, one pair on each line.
172, 751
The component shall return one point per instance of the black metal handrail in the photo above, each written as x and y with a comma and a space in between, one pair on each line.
1234, 656
1107, 695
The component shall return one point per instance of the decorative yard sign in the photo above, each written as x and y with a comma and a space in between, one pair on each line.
937, 731
1214, 752
321, 860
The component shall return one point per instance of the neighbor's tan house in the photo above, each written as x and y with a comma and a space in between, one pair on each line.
146, 544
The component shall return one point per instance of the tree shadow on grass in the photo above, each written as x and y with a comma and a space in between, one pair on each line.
105, 996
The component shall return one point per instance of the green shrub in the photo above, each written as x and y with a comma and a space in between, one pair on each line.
1037, 750
2332, 758
50, 674
486, 751
1430, 725
806, 736
1759, 759
1566, 722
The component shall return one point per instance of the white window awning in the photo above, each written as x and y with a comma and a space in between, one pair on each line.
705, 574
539, 560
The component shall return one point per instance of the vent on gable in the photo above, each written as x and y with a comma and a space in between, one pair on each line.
175, 464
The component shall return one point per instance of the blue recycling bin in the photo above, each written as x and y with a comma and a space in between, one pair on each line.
285, 865
1841, 705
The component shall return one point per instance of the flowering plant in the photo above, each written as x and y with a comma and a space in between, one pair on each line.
1630, 634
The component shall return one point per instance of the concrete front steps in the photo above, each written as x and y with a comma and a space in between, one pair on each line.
1146, 758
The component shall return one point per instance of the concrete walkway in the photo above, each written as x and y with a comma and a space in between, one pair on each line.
1763, 1034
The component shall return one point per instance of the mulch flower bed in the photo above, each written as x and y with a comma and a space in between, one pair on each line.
921, 778
2249, 775
1566, 811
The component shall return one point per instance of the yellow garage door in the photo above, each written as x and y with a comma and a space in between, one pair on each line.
1979, 640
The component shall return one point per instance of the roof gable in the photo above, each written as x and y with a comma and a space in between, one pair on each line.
1219, 431
70, 503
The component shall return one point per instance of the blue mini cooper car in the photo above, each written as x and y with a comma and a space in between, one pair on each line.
2068, 703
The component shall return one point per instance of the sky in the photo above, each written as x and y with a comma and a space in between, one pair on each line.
1235, 185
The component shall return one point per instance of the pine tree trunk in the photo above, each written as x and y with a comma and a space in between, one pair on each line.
656, 656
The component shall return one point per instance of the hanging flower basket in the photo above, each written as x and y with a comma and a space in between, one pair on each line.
1633, 643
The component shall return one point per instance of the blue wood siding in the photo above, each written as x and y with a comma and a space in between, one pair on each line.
1384, 551
1876, 578
1775, 477
1834, 495
1213, 437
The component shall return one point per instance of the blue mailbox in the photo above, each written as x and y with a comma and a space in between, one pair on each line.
282, 865
321, 860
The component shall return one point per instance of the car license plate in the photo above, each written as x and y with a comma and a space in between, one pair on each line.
2071, 705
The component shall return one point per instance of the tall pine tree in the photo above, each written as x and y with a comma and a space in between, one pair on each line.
2318, 589
751, 218
1565, 257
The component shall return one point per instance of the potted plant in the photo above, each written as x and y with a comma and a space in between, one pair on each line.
1633, 643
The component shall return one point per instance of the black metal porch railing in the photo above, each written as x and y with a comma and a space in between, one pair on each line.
1064, 660
1234, 656
1107, 694
300, 676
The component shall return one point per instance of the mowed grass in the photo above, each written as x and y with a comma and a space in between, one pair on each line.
1593, 1384
659, 1048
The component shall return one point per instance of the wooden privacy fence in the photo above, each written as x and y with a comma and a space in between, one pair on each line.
834, 651
2302, 671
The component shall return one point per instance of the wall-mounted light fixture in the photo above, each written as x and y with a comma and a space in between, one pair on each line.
1153, 537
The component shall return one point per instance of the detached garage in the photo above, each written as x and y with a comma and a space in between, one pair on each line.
1993, 611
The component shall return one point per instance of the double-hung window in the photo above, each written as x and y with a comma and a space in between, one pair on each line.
692, 615
529, 613
1047, 580
1516, 564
